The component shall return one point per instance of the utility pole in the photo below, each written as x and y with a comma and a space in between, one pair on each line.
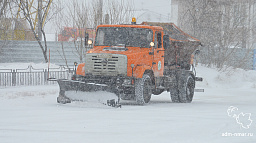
101, 11
40, 21
106, 19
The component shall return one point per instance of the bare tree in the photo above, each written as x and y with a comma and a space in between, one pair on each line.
119, 12
4, 7
3, 4
96, 13
78, 12
59, 20
221, 25
24, 7
74, 15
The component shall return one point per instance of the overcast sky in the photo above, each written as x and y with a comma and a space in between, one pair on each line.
153, 10
145, 10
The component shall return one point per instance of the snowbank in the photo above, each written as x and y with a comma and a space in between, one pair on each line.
231, 78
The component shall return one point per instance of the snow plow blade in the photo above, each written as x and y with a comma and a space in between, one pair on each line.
71, 90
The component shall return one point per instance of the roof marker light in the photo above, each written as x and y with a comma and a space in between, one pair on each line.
133, 20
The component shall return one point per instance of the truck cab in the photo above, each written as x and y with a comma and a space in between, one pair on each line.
126, 50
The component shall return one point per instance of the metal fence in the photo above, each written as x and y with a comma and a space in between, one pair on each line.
9, 77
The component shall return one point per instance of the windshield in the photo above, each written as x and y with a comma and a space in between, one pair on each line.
132, 37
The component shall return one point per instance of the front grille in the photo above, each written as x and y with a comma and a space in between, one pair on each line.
106, 64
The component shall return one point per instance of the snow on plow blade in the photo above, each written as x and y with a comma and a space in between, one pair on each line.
89, 92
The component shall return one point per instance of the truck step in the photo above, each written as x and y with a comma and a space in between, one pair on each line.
198, 90
199, 79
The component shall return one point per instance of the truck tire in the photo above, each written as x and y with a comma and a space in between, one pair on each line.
186, 88
143, 89
174, 93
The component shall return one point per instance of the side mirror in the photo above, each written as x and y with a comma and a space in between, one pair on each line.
166, 40
86, 38
197, 52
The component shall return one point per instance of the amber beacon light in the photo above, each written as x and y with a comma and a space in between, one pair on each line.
133, 20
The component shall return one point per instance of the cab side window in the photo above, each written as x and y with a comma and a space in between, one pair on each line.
159, 40
155, 39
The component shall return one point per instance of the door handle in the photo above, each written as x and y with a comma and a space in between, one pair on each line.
159, 51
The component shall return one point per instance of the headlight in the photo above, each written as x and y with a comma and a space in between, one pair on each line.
89, 42
152, 44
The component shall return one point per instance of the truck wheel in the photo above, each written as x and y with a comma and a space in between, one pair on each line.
186, 89
174, 93
143, 89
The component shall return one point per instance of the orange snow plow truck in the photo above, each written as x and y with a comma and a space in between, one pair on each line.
135, 61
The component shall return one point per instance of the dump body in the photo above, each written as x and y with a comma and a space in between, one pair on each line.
181, 45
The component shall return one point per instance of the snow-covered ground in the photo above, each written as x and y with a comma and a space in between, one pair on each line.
31, 115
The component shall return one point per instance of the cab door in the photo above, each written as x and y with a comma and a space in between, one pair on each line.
158, 57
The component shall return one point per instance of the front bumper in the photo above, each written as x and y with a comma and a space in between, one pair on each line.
118, 82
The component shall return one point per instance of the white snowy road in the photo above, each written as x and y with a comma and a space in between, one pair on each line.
31, 115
